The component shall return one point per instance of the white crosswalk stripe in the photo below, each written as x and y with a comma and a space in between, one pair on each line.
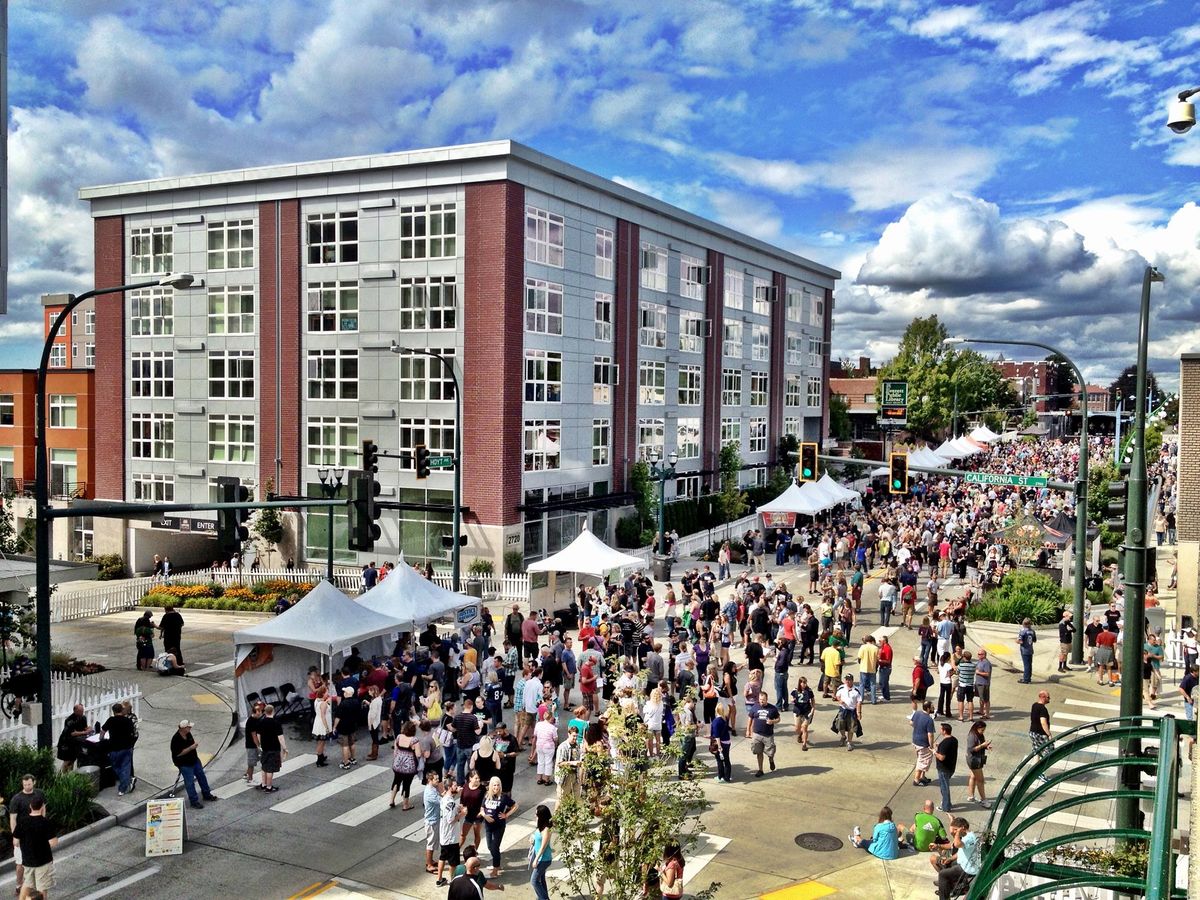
328, 789
365, 811
208, 670
414, 832
289, 765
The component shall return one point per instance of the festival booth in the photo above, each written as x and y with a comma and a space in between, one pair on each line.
319, 630
984, 435
831, 487
588, 555
795, 501
958, 448
415, 601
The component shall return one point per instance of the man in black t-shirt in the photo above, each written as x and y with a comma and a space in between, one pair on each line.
121, 737
754, 653
170, 627
187, 760
762, 726
252, 753
18, 813
1039, 723
272, 747
75, 729
33, 843
947, 762
346, 717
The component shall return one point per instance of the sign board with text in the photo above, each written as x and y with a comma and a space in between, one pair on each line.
164, 827
779, 519
441, 462
1011, 480
893, 402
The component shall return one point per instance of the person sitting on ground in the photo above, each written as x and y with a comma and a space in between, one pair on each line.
927, 833
166, 664
885, 839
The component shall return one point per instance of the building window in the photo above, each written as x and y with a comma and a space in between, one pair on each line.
231, 374
7, 471
425, 377
652, 325
760, 342
231, 309
604, 328
693, 275
154, 488
231, 244
732, 345
333, 305
64, 473
544, 234
792, 426
543, 444
687, 487
436, 434
689, 385
89, 354
818, 309
543, 306
231, 439
687, 442
64, 411
89, 321
150, 250
58, 356
814, 392
153, 436
731, 432
152, 312
333, 374
652, 382
794, 305
758, 388
814, 352
543, 376
8, 410
795, 350
604, 254
332, 238
731, 387
152, 374
428, 304
792, 397
602, 379
85, 535
735, 289
333, 441
651, 438
654, 267
428, 232
691, 332
762, 296
601, 430
758, 435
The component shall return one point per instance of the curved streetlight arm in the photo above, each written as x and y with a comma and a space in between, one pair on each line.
1184, 96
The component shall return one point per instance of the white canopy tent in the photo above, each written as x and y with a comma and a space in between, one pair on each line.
949, 450
320, 628
416, 601
586, 555
830, 486
983, 434
968, 446
797, 500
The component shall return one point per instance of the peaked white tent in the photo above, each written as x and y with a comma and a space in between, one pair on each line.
967, 446
983, 434
830, 486
949, 450
318, 630
587, 555
796, 500
413, 599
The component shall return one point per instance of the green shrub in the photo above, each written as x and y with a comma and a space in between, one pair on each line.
481, 566
215, 588
1022, 595
111, 566
68, 797
514, 562
157, 599
69, 800
629, 532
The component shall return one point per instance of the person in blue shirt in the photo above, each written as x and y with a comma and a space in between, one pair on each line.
541, 855
720, 738
885, 839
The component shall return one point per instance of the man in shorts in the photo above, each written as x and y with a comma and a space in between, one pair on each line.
34, 842
19, 809
346, 717
762, 741
272, 747
432, 799
450, 812
983, 684
252, 754
966, 687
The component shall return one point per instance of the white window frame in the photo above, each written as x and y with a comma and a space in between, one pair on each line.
64, 411
794, 309
89, 355
429, 231
545, 237
691, 332
58, 356
760, 343
814, 352
151, 373
543, 306
152, 312
605, 253
687, 487
734, 295
540, 439
759, 388
692, 277
602, 379
231, 374
653, 267
690, 385
151, 249
153, 488
332, 441
231, 439
652, 382
733, 341
331, 237
793, 426
813, 394
601, 441
761, 299
436, 434
757, 442
231, 309
89, 321
231, 244
152, 436
332, 306
652, 324
426, 378
543, 376
687, 437
794, 355
429, 303
332, 374
651, 438
793, 393
731, 387
604, 317
731, 431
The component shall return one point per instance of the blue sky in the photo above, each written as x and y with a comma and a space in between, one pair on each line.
1004, 165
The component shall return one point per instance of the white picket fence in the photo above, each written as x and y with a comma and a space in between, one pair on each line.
1172, 649
96, 693
98, 599
692, 545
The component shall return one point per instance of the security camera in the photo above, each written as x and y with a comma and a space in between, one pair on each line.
1181, 116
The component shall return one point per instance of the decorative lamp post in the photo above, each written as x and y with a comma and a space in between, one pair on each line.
331, 484
662, 560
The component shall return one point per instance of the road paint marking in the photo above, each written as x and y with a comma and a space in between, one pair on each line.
998, 648
215, 667
414, 832
707, 847
312, 890
328, 789
806, 890
365, 811
123, 883
207, 700
290, 765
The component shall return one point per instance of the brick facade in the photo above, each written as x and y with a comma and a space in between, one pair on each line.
1187, 513
494, 339
625, 350
110, 441
714, 311
280, 364
776, 379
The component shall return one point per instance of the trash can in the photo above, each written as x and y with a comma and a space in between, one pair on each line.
661, 567
475, 588
92, 774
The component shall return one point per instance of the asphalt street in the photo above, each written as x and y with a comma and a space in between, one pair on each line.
330, 833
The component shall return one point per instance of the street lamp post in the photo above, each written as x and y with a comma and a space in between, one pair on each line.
42, 496
1080, 484
331, 483
662, 473
456, 516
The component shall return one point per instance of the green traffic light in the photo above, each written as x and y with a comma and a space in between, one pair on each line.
808, 473
896, 482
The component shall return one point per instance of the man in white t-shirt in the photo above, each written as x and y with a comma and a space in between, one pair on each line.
849, 700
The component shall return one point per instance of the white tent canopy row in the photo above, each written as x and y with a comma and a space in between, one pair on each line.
810, 498
958, 448
587, 555
983, 434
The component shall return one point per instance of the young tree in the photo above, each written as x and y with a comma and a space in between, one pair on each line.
268, 523
8, 529
633, 805
839, 418
644, 496
732, 501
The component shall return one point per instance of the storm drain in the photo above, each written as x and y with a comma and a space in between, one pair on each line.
818, 841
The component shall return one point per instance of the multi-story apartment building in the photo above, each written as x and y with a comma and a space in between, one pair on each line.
74, 346
591, 325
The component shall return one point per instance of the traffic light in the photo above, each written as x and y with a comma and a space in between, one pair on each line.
364, 530
807, 470
422, 454
898, 474
1117, 510
448, 541
370, 457
231, 523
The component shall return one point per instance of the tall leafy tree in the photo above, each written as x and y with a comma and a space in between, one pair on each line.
1126, 386
839, 418
1060, 383
268, 523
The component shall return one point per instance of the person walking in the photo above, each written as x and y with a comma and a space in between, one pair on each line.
1039, 724
923, 742
542, 853
498, 807
965, 673
406, 763
252, 754
322, 726
762, 741
1066, 631
143, 638
272, 747
977, 747
983, 684
720, 739
1026, 638
945, 685
346, 717
19, 810
170, 629
868, 668
122, 735
849, 712
884, 668
34, 841
947, 762
186, 759
685, 727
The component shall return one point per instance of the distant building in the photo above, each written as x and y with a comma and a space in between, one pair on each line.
75, 344
1028, 379
859, 395
1097, 396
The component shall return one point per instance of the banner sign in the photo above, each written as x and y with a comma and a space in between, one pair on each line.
779, 519
164, 827
893, 402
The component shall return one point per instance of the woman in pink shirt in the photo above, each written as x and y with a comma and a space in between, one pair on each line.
545, 741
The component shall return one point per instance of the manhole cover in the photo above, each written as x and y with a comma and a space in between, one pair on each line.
816, 840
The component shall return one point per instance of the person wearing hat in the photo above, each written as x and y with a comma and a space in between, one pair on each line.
187, 760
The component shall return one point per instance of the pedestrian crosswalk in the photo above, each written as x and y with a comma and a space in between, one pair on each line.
305, 799
291, 764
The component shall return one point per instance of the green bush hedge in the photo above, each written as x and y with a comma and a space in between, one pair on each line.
111, 566
1022, 595
68, 796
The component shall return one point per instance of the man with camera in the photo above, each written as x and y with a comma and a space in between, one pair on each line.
955, 874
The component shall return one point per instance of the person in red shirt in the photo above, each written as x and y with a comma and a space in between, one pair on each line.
884, 668
587, 684
1106, 658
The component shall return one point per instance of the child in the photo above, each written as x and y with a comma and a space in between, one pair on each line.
451, 810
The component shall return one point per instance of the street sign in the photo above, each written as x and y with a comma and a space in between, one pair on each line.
1014, 480
441, 462
893, 402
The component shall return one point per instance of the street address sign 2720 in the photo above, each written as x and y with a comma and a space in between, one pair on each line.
1014, 480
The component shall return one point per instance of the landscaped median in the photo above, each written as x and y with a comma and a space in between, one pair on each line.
255, 596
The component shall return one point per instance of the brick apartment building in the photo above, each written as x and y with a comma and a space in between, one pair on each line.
1028, 379
592, 326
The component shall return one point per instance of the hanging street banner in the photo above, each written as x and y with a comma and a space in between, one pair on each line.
893, 402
